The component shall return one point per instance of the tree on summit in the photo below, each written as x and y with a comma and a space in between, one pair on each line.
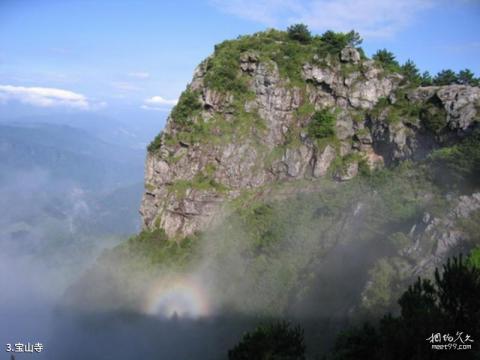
299, 32
354, 39
426, 79
466, 77
411, 72
445, 77
386, 59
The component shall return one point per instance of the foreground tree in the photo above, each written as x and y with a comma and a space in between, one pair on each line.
277, 341
449, 305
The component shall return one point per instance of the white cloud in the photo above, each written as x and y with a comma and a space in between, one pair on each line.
142, 75
43, 97
158, 100
372, 18
158, 103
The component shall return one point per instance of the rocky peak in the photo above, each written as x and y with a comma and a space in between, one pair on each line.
255, 115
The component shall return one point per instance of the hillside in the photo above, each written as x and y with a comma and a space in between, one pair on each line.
298, 178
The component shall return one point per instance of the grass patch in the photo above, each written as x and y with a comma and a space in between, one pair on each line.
187, 108
322, 125
457, 166
402, 110
153, 248
433, 115
223, 68
203, 181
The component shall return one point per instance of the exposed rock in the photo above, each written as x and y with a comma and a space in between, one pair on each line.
360, 90
248, 62
444, 232
350, 54
461, 103
349, 172
323, 162
295, 160
374, 161
280, 149
344, 127
407, 138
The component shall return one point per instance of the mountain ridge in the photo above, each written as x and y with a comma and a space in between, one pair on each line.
257, 113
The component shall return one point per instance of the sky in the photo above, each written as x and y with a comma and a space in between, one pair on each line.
112, 56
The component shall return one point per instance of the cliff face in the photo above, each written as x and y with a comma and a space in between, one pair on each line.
220, 142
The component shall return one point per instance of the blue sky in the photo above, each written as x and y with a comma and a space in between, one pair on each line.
105, 56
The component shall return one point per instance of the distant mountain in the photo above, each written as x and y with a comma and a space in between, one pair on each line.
127, 128
65, 194
68, 154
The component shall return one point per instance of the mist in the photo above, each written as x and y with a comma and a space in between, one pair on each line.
54, 222
42, 251
315, 275
301, 253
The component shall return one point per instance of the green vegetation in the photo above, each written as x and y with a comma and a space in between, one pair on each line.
458, 165
449, 77
271, 240
223, 69
305, 111
445, 77
412, 76
194, 129
448, 305
401, 110
263, 226
466, 77
426, 79
411, 73
156, 143
471, 227
300, 33
387, 60
276, 341
322, 124
152, 248
433, 115
279, 237
289, 50
473, 259
187, 108
341, 163
203, 180
388, 278
336, 41
183, 116
355, 343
